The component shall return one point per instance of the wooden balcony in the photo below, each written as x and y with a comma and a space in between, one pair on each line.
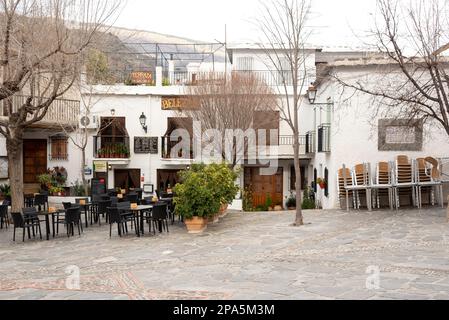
62, 112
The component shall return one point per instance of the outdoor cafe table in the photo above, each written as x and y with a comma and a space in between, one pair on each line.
87, 206
139, 210
47, 215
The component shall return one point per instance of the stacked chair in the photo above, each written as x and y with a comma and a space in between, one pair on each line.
428, 181
401, 180
383, 184
362, 180
404, 183
344, 178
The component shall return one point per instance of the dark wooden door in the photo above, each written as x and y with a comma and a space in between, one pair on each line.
127, 179
34, 159
167, 178
262, 186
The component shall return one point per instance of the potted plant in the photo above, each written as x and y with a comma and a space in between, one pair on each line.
194, 200
5, 191
322, 183
308, 203
222, 181
291, 202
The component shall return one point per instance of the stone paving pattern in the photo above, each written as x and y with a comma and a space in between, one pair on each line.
245, 256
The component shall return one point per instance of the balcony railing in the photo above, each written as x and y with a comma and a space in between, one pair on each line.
324, 137
169, 153
111, 147
289, 141
310, 142
61, 111
270, 78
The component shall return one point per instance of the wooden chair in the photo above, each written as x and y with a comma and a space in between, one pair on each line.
344, 178
383, 184
428, 179
361, 179
404, 180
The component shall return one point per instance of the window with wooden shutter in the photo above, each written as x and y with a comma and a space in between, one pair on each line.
267, 121
59, 148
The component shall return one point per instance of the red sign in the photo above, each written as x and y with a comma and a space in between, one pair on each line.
141, 77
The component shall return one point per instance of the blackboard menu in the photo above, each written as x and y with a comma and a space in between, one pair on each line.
146, 145
98, 186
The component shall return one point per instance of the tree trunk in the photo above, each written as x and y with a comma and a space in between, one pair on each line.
14, 147
83, 176
299, 221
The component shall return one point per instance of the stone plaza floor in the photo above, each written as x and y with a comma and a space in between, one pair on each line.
339, 255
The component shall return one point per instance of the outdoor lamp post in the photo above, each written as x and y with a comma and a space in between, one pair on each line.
143, 122
311, 94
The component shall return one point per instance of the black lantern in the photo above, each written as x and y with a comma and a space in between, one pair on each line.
143, 122
311, 94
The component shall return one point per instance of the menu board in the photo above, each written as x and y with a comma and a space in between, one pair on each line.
146, 145
98, 186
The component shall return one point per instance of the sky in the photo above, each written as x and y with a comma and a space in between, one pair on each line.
335, 22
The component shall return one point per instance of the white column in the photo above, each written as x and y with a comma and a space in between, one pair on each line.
158, 76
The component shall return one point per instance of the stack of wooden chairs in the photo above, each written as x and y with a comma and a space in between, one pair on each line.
403, 181
428, 181
362, 179
344, 178
383, 185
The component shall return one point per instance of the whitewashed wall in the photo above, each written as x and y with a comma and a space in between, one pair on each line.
354, 135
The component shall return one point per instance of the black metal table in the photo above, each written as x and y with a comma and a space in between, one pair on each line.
139, 210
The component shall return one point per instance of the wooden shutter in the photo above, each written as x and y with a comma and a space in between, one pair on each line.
59, 148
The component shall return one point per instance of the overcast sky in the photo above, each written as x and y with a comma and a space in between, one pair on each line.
334, 21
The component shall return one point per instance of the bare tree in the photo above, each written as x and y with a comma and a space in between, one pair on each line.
228, 103
42, 49
414, 80
284, 28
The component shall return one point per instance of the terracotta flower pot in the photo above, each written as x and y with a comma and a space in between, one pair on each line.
196, 225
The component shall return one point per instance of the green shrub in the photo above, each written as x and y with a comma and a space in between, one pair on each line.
203, 189
291, 201
268, 202
308, 203
78, 189
248, 200
5, 190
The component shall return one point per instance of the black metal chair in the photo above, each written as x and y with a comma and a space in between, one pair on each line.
103, 206
132, 198
114, 201
22, 222
40, 201
148, 201
72, 219
116, 215
4, 216
159, 216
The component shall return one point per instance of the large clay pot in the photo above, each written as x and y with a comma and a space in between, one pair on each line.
196, 225
223, 210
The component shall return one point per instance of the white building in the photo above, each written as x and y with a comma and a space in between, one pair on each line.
338, 129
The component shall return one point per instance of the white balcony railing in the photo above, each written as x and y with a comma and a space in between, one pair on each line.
61, 111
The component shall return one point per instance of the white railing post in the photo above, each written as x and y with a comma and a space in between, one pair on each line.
158, 76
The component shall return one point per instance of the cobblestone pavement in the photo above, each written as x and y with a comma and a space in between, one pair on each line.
245, 256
